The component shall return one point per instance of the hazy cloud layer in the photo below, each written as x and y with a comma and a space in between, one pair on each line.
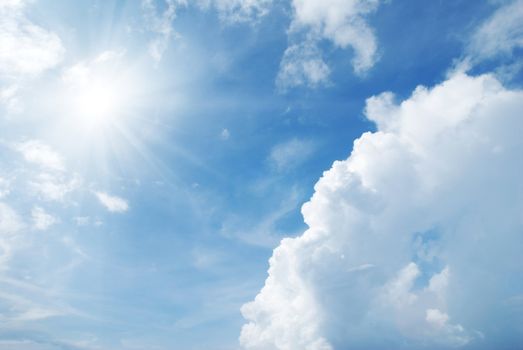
415, 239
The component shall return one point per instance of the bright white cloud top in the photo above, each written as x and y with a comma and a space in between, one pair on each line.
431, 205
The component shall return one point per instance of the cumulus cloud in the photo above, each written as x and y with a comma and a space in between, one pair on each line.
500, 34
415, 239
290, 154
339, 22
25, 48
112, 203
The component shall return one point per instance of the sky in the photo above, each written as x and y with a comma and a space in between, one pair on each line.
261, 174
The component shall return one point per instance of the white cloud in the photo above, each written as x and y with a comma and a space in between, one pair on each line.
436, 317
290, 154
82, 220
160, 23
10, 225
36, 152
302, 65
112, 203
500, 34
340, 22
53, 188
9, 98
41, 219
239, 11
10, 221
4, 187
433, 203
25, 48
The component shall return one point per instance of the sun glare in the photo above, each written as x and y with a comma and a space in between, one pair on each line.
99, 103
98, 93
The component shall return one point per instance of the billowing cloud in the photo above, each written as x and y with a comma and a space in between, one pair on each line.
25, 48
414, 240
112, 203
501, 34
339, 22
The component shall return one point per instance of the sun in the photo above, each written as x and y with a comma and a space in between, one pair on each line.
98, 103
98, 94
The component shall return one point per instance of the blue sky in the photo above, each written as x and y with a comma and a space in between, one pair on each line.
261, 174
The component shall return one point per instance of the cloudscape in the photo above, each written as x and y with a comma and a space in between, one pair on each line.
261, 175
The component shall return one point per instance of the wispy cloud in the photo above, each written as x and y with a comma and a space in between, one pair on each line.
51, 187
225, 134
341, 23
500, 34
34, 151
265, 233
10, 221
112, 203
41, 219
160, 23
240, 11
4, 187
302, 65
290, 154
